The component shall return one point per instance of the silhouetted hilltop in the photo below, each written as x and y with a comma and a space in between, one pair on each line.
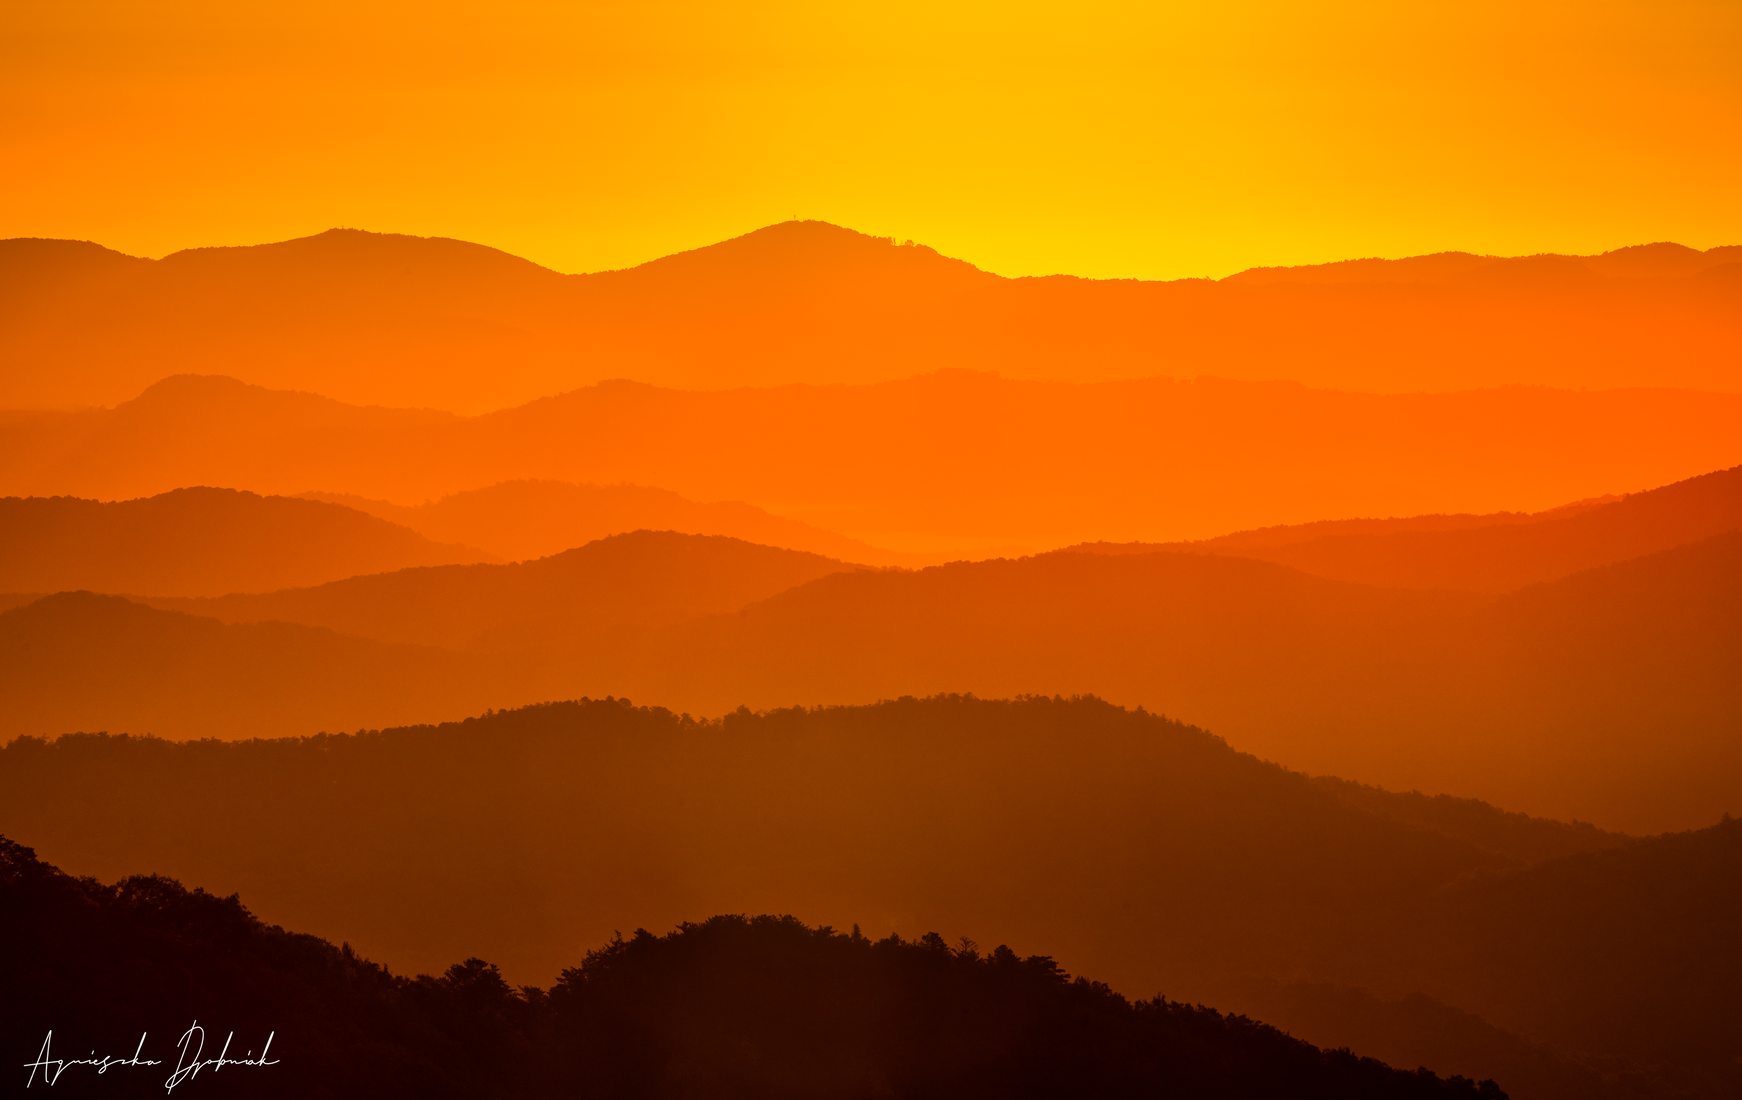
1137, 848
810, 256
635, 803
383, 318
518, 520
199, 542
943, 464
730, 1007
99, 965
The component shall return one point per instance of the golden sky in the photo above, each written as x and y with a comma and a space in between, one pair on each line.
1113, 139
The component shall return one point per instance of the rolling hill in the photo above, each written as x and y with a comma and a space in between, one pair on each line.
1141, 849
1606, 696
1492, 553
412, 645
518, 520
199, 542
1609, 696
78, 661
1599, 949
594, 596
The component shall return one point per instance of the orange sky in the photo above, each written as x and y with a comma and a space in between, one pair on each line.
1146, 139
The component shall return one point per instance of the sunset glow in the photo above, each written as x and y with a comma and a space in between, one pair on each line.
844, 551
1150, 140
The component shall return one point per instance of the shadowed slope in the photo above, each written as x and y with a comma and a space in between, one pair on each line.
1493, 553
377, 317
1552, 948
1418, 1030
1140, 849
1078, 815
1609, 696
731, 1007
198, 542
76, 661
359, 651
595, 593
1513, 836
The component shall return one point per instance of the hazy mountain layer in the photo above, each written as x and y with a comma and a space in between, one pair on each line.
199, 542
950, 465
402, 320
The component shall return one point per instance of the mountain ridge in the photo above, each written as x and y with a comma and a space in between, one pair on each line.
1488, 553
1228, 867
782, 235
379, 318
625, 582
200, 541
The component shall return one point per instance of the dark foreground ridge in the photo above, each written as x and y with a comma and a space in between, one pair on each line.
731, 1007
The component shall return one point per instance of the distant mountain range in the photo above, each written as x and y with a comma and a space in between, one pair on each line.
433, 642
949, 465
1138, 849
1604, 692
926, 569
387, 319
207, 542
602, 595
213, 542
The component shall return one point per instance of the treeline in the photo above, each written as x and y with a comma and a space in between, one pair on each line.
1141, 850
730, 1007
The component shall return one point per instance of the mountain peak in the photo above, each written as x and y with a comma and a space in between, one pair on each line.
1655, 260
222, 394
1655, 248
197, 388
208, 398
176, 387
800, 251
